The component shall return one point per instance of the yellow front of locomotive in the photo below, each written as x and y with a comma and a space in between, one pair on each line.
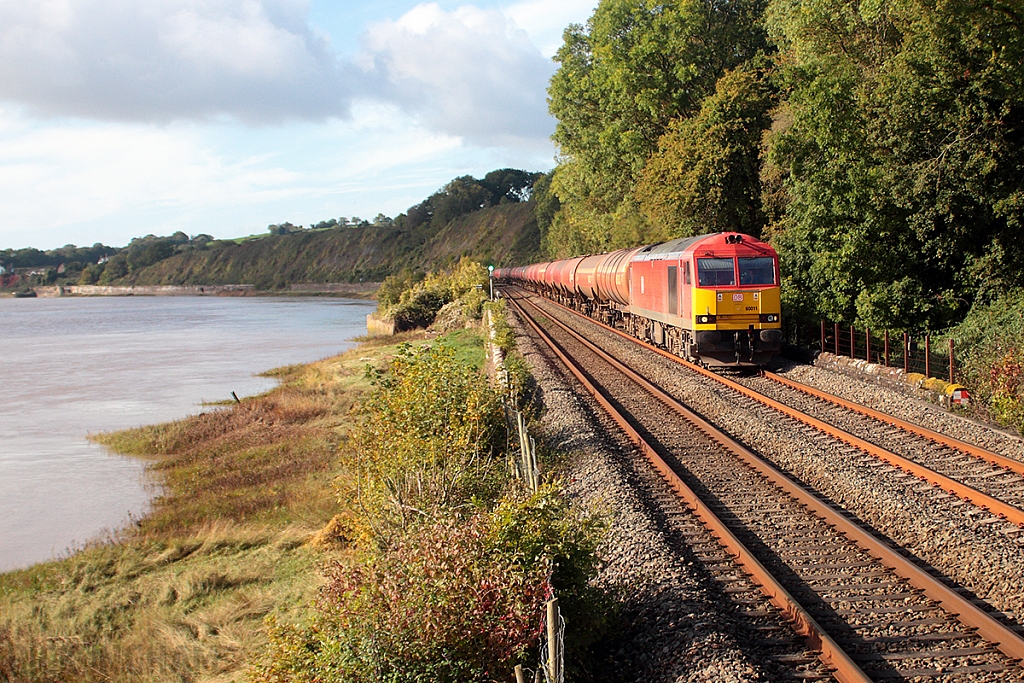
736, 304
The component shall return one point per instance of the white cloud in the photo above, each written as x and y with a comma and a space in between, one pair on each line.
471, 73
160, 60
84, 182
124, 113
546, 21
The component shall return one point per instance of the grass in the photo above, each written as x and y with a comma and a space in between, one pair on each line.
183, 595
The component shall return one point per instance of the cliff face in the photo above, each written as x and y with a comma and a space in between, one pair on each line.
500, 235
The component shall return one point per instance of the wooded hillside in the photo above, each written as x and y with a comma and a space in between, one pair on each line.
490, 220
879, 145
501, 234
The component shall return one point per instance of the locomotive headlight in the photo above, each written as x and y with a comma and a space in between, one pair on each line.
769, 317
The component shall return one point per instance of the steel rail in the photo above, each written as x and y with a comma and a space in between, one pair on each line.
832, 655
1011, 513
968, 448
1007, 641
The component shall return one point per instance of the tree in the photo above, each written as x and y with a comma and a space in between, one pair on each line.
904, 157
462, 195
636, 67
705, 176
90, 274
546, 202
115, 269
146, 254
510, 185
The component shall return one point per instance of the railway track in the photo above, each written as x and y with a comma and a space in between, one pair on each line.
988, 480
870, 612
967, 467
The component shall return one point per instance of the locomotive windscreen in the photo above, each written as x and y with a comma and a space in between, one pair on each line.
757, 271
715, 272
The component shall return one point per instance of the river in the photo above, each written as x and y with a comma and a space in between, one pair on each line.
74, 366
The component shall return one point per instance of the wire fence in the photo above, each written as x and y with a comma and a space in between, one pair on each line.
524, 466
913, 352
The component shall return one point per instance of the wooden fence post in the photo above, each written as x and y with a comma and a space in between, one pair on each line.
837, 339
553, 661
534, 470
520, 677
823, 336
906, 353
853, 344
952, 374
867, 342
927, 357
887, 348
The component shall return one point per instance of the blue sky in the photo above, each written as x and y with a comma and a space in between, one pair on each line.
120, 118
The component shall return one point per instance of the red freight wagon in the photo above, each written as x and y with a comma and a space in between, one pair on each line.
565, 276
613, 276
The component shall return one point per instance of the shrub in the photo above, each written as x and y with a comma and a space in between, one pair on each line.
417, 308
390, 291
448, 602
542, 528
415, 303
426, 443
990, 356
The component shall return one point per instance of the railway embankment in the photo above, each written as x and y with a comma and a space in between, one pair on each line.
897, 380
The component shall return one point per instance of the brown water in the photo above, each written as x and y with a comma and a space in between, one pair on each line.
70, 367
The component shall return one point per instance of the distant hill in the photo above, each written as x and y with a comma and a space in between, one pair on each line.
500, 235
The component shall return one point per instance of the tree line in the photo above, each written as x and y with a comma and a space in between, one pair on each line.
878, 145
104, 265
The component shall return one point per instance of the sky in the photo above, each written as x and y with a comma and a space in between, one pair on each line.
122, 118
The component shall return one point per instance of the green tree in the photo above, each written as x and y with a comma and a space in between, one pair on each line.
114, 269
705, 176
545, 201
90, 274
510, 185
904, 157
636, 67
149, 252
462, 195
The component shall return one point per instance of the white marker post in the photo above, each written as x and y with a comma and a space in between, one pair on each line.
490, 275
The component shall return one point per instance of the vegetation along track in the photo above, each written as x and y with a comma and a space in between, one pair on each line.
833, 578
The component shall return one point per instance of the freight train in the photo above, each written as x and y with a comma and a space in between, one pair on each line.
713, 299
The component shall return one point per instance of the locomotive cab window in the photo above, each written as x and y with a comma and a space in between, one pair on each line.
715, 272
757, 271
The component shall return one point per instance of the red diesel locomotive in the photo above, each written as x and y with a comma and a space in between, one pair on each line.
713, 299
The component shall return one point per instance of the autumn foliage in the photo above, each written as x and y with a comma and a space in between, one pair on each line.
450, 562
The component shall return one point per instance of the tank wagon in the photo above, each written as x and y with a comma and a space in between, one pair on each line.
713, 299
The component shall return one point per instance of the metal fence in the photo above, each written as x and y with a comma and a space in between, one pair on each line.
911, 352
